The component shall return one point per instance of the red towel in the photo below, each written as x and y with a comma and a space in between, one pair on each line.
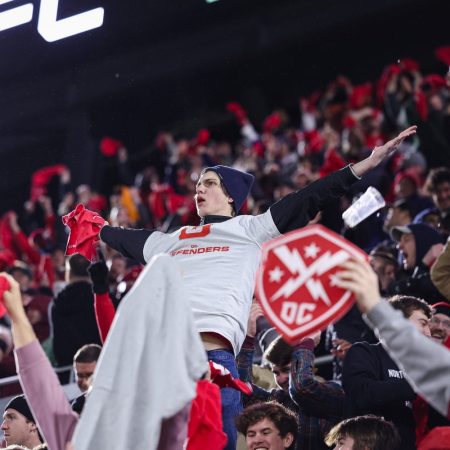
437, 439
4, 286
205, 419
84, 227
41, 178
223, 378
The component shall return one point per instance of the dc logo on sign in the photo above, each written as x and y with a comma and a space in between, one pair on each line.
296, 283
49, 27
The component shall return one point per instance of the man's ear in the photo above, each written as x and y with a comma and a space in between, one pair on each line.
32, 426
288, 440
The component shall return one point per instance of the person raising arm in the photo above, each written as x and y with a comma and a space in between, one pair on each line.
426, 363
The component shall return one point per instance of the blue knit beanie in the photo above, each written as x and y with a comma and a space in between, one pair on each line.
237, 183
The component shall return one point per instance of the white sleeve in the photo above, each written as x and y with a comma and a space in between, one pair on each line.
260, 228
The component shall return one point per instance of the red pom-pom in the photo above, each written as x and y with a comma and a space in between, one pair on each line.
314, 140
349, 122
97, 203
258, 148
409, 65
421, 105
238, 111
434, 81
109, 146
443, 55
388, 72
42, 177
361, 96
272, 122
203, 137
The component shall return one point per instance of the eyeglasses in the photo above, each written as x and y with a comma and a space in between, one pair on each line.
445, 323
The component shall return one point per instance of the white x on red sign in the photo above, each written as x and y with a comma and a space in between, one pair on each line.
296, 280
49, 27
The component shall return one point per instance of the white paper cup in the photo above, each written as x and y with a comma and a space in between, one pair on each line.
370, 202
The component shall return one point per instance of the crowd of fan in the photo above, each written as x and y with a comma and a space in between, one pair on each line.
405, 243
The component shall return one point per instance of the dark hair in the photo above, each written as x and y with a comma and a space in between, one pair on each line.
386, 252
78, 265
21, 267
368, 432
284, 419
279, 352
436, 177
408, 304
89, 353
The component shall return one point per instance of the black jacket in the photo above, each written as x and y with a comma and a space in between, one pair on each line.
419, 283
73, 321
373, 384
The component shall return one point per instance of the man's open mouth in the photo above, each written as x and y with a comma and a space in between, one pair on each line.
438, 336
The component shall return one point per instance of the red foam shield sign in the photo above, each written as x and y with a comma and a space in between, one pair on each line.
295, 283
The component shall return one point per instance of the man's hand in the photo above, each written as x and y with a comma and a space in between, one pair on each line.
315, 337
379, 153
340, 348
98, 272
255, 312
46, 204
433, 254
317, 218
359, 278
13, 223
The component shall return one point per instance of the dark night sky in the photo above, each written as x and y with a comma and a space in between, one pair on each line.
175, 63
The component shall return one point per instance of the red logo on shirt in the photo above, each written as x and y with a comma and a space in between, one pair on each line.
195, 232
295, 283
199, 250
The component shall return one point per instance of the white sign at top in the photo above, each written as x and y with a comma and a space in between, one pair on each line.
49, 27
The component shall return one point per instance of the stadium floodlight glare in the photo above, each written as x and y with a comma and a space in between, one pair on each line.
16, 16
211, 1
53, 30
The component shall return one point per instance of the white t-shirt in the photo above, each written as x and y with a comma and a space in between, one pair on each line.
219, 263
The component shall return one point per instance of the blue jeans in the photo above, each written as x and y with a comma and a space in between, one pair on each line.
231, 398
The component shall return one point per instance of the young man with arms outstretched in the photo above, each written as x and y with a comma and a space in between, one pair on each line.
220, 257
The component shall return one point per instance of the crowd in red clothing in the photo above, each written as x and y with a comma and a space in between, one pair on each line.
338, 125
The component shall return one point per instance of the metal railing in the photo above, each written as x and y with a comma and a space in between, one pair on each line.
15, 378
319, 361
323, 360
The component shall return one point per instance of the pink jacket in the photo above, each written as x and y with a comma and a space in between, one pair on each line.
47, 400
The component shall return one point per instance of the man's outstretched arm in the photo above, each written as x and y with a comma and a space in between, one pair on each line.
127, 241
297, 209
